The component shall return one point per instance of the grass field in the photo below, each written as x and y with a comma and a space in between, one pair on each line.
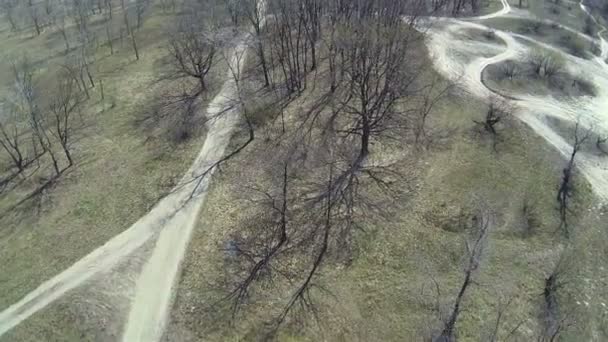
119, 174
387, 293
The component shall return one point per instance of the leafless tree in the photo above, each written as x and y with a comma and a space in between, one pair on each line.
545, 64
256, 15
289, 45
475, 249
553, 319
498, 111
35, 15
168, 5
600, 144
193, 50
108, 5
379, 74
509, 69
9, 7
60, 24
140, 8
589, 28
66, 102
109, 35
565, 190
23, 73
11, 140
130, 32
80, 16
434, 92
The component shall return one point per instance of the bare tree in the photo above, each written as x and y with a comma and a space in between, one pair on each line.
168, 5
60, 24
23, 73
545, 64
554, 320
600, 144
475, 249
65, 104
9, 8
509, 69
380, 72
192, 50
498, 111
255, 14
140, 8
11, 136
565, 190
109, 8
130, 32
35, 16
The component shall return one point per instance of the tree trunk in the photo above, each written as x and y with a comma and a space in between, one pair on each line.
65, 39
68, 155
110, 44
365, 134
134, 46
55, 163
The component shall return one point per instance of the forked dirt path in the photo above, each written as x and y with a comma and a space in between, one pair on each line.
590, 112
171, 221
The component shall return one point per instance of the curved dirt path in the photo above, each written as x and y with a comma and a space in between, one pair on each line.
532, 110
171, 220
154, 293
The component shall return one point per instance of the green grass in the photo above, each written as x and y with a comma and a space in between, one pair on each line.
118, 175
386, 294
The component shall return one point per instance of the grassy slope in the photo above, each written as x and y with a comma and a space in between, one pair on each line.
379, 296
118, 176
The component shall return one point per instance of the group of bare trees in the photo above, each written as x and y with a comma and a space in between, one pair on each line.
194, 46
364, 60
79, 22
32, 129
457, 7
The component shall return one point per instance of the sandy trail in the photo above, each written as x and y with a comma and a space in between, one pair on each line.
171, 220
154, 293
533, 110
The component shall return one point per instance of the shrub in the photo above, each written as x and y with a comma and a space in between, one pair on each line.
490, 35
589, 28
532, 26
545, 64
573, 44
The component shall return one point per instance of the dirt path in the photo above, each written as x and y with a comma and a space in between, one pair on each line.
154, 293
171, 220
535, 111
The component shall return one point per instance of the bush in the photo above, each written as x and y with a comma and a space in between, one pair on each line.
545, 64
532, 26
490, 35
574, 44
589, 28
509, 69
